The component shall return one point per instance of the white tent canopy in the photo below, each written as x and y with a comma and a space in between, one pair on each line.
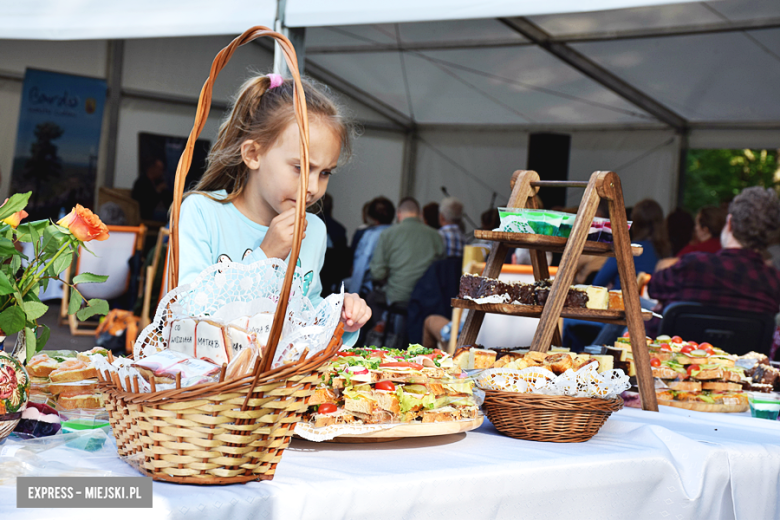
447, 92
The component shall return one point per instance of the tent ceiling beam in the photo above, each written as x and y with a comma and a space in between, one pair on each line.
359, 95
655, 32
596, 72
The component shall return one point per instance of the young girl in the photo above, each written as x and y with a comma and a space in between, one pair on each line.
243, 209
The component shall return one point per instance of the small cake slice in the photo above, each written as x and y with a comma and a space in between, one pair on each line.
616, 300
469, 286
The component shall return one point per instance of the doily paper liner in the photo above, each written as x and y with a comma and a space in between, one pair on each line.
493, 298
586, 382
227, 291
326, 433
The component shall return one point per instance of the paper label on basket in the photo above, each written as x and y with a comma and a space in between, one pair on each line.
586, 382
182, 338
227, 292
326, 433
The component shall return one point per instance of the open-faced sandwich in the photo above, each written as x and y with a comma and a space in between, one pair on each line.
382, 385
698, 377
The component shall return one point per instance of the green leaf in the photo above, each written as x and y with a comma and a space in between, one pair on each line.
53, 238
17, 202
75, 302
16, 263
89, 278
32, 294
94, 306
62, 262
43, 338
12, 320
45, 283
31, 340
7, 248
5, 284
31, 231
35, 310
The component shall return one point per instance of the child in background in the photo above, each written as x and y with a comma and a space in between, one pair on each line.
243, 208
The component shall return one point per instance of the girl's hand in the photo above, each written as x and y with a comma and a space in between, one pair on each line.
355, 312
279, 238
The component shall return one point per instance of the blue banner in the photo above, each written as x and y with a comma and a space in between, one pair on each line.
57, 141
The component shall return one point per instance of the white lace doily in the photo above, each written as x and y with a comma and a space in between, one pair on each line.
326, 433
226, 291
586, 382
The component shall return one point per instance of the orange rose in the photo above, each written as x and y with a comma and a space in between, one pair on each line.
84, 224
15, 219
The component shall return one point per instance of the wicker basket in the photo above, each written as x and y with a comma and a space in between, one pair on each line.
231, 431
8, 422
548, 418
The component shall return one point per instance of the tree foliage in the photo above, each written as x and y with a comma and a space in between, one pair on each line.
714, 177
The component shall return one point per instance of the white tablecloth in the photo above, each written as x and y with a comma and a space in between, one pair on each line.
641, 465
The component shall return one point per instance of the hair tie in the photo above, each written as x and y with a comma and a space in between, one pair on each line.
276, 80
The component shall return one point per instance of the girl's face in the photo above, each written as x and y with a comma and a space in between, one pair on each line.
272, 187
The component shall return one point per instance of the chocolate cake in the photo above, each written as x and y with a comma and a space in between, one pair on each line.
574, 298
469, 286
523, 293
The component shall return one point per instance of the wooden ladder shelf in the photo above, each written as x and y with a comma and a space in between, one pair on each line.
602, 185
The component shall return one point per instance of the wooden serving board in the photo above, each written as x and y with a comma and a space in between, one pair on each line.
535, 311
403, 431
547, 243
706, 407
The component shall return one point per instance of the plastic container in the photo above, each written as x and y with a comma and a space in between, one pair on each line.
567, 222
764, 406
79, 420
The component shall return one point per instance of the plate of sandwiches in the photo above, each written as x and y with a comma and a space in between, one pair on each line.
697, 377
66, 378
383, 393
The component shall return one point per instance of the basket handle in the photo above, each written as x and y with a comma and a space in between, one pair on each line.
185, 161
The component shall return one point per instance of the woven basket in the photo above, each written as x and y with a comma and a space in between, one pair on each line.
8, 422
231, 431
548, 418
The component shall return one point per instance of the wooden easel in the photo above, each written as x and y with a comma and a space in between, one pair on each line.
602, 185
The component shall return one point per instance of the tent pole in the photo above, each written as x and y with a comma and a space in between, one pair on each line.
410, 164
297, 36
116, 52
682, 167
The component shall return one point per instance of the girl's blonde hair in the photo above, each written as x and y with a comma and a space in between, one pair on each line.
261, 114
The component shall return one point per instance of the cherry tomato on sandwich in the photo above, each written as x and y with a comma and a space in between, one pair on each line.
686, 349
625, 334
691, 368
327, 408
378, 353
655, 362
665, 347
693, 344
385, 385
346, 354
402, 364
677, 339
705, 346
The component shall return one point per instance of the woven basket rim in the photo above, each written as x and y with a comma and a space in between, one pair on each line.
560, 401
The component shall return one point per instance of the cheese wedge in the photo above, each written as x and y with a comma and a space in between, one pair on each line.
598, 297
605, 363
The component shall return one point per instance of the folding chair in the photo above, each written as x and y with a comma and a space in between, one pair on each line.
151, 274
111, 257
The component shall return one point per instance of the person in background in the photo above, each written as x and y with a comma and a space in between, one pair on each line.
404, 251
707, 227
151, 191
679, 227
649, 231
380, 215
338, 258
736, 276
451, 230
431, 215
361, 228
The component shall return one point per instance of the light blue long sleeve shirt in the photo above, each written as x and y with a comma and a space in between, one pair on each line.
212, 232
